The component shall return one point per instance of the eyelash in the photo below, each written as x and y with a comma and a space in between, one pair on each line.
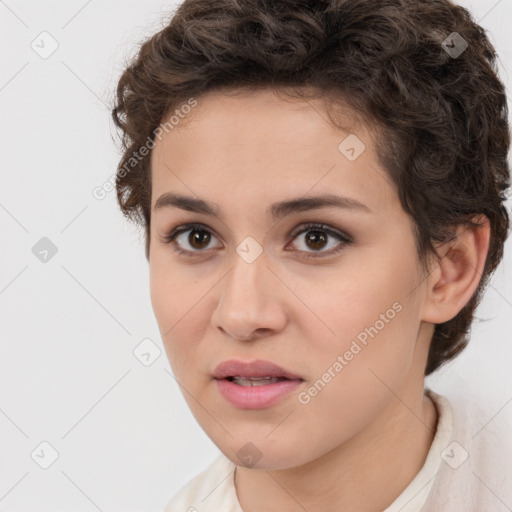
344, 239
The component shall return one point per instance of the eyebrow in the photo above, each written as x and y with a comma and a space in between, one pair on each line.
276, 211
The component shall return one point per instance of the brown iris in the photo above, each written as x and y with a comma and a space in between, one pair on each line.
316, 238
199, 236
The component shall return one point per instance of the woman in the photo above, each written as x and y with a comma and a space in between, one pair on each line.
322, 188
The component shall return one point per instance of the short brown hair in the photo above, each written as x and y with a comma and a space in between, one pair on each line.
443, 119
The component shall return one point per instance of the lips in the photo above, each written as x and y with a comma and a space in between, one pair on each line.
255, 385
257, 371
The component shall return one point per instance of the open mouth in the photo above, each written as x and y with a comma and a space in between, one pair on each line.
254, 384
255, 381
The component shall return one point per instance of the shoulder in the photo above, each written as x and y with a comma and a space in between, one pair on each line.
211, 490
476, 463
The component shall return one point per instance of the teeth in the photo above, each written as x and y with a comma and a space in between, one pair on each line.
256, 381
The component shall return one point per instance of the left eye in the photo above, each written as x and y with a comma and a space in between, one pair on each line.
317, 236
199, 238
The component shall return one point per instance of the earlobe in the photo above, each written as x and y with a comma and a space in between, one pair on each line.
456, 277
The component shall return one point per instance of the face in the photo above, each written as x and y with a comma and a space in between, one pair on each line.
330, 293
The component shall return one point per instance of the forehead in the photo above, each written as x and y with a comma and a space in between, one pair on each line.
272, 146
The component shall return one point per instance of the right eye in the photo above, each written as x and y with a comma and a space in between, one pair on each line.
198, 238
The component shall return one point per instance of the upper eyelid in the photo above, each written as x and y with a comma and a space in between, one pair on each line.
183, 228
310, 226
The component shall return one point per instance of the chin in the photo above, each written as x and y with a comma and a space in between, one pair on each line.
264, 455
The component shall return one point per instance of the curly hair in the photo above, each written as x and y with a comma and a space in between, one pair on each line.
442, 118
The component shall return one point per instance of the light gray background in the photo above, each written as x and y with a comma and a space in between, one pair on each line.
68, 376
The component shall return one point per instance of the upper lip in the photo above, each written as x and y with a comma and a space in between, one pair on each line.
258, 368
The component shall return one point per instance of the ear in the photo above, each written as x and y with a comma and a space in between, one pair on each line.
456, 276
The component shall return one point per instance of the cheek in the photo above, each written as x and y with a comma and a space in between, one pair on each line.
344, 304
172, 291
365, 312
168, 300
351, 379
179, 307
163, 295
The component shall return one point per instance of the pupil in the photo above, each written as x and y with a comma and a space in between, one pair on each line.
316, 237
195, 236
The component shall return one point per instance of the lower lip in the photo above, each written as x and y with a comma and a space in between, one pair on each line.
255, 397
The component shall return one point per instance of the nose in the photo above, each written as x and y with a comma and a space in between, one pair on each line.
250, 303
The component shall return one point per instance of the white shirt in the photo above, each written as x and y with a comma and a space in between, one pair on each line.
468, 469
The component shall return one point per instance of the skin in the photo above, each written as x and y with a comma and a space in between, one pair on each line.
360, 441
